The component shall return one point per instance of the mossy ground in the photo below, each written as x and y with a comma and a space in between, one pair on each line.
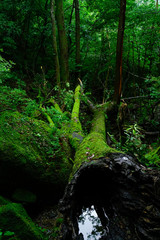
14, 218
30, 149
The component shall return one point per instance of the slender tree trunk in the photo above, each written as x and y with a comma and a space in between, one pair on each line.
63, 44
78, 57
40, 45
119, 51
69, 28
55, 49
157, 4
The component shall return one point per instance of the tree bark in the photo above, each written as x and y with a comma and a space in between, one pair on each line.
63, 44
55, 49
78, 57
119, 52
120, 188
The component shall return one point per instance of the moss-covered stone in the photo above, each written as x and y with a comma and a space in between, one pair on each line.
14, 218
30, 153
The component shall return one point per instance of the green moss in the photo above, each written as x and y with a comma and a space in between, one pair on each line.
23, 139
76, 133
29, 149
3, 201
22, 195
98, 123
14, 218
94, 145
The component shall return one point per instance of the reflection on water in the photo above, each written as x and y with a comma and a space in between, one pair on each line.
90, 225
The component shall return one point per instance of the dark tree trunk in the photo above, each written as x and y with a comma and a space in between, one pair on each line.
119, 51
55, 50
78, 57
157, 4
63, 44
127, 192
40, 46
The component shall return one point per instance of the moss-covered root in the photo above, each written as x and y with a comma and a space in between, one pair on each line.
14, 218
76, 133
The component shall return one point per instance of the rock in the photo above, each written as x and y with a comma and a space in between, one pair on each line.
27, 156
13, 218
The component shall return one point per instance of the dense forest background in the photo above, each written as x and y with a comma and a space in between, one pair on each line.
47, 48
28, 53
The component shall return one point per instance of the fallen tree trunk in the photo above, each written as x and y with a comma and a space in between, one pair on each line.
116, 184
122, 189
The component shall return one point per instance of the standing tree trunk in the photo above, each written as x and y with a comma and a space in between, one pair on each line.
55, 50
78, 57
63, 45
119, 51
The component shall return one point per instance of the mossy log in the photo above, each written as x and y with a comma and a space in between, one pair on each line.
94, 145
119, 188
116, 184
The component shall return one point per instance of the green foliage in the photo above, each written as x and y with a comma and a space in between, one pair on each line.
5, 67
153, 87
148, 111
7, 235
153, 157
65, 98
59, 118
14, 99
133, 143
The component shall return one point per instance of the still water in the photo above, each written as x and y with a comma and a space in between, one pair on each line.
90, 225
